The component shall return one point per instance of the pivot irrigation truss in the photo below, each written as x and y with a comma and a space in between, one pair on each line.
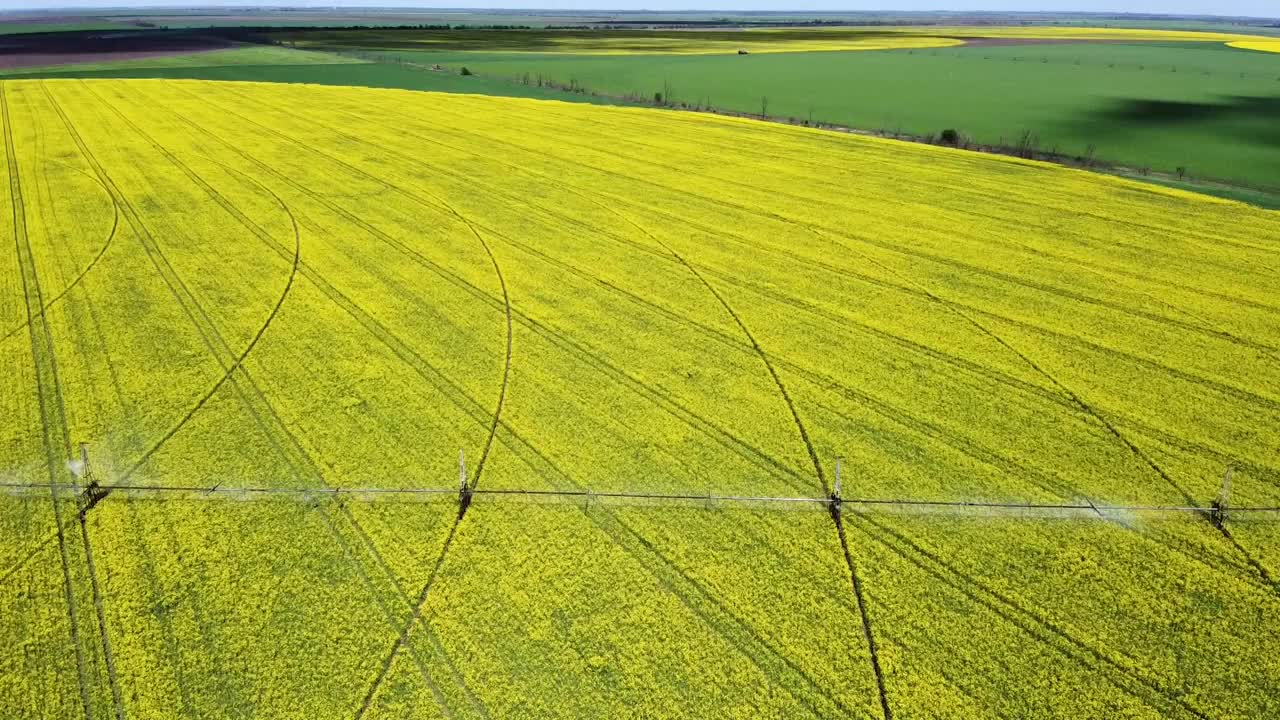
95, 493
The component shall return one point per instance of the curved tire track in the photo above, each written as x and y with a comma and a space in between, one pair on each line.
239, 360
402, 639
1206, 327
42, 349
115, 225
440, 204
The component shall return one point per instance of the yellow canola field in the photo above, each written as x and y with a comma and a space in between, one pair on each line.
300, 287
710, 42
1044, 32
619, 42
751, 41
1272, 46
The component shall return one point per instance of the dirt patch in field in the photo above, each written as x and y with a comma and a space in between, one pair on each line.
41, 51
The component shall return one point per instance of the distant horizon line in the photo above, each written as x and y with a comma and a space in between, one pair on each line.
618, 11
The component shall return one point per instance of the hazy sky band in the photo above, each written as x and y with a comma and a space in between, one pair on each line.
1253, 8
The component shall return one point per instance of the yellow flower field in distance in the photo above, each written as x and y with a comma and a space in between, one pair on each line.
1262, 45
752, 41
621, 42
726, 42
1047, 32
240, 297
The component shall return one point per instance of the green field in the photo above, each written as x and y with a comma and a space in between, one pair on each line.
1200, 106
1205, 107
1156, 106
283, 65
211, 60
18, 28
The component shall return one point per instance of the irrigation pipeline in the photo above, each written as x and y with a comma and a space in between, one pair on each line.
588, 497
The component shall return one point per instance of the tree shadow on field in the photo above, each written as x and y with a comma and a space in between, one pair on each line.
1244, 110
1239, 135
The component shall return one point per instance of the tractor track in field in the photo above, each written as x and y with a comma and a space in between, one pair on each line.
41, 344
390, 618
670, 404
609, 132
1206, 326
406, 629
946, 358
1244, 395
1192, 378
1111, 427
457, 395
417, 605
86, 298
914, 254
864, 615
924, 255
168, 637
859, 596
115, 224
1025, 619
695, 272
1114, 431
710, 612
439, 204
1075, 399
495, 421
474, 228
229, 371
287, 457
402, 639
214, 342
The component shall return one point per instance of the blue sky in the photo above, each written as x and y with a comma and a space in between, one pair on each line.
1257, 8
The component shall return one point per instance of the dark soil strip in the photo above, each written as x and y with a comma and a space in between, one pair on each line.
78, 48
